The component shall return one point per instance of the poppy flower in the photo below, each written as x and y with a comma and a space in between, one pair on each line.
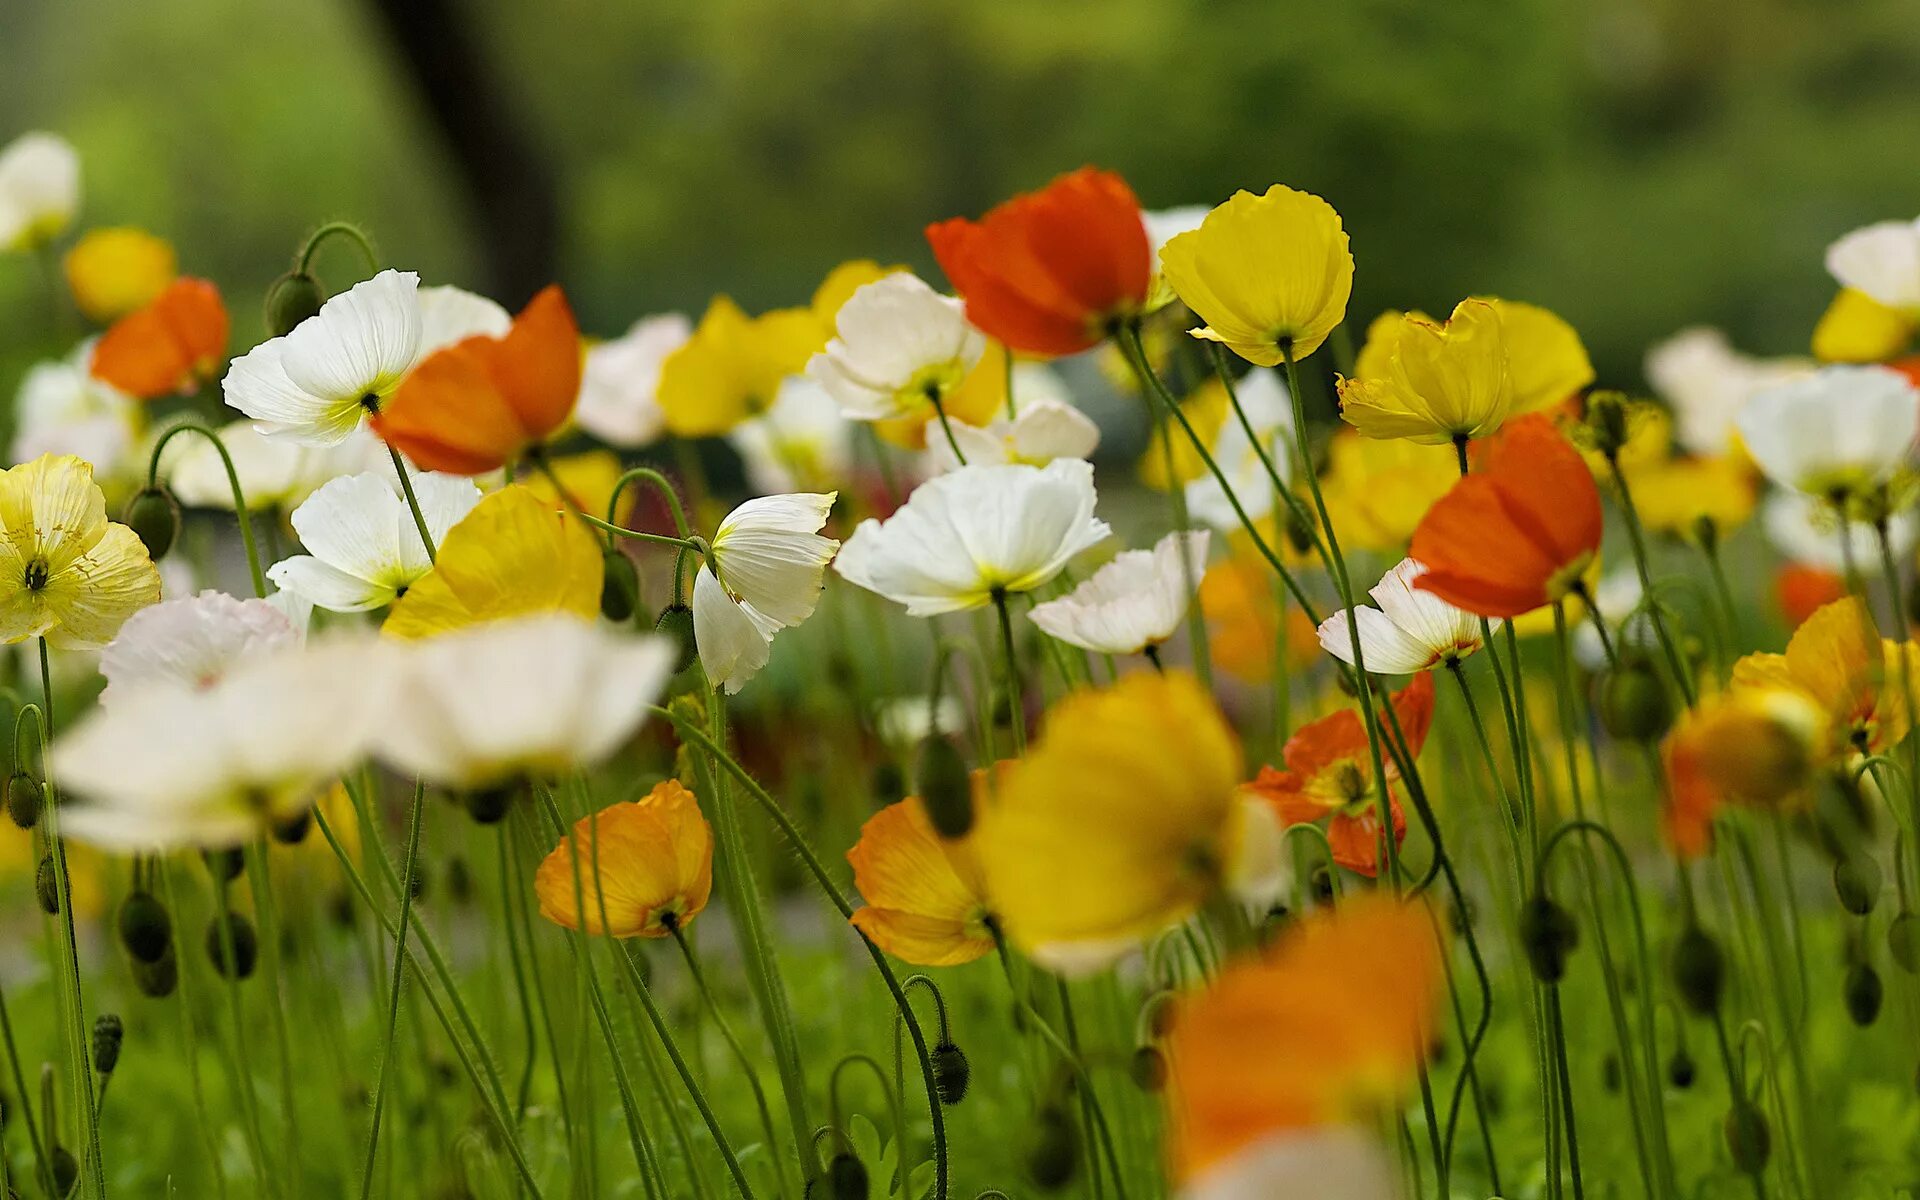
1329, 776
654, 858
1856, 677
66, 572
1043, 430
1269, 274
514, 555
1838, 433
1752, 745
1674, 495
764, 572
1323, 1030
801, 443
1856, 328
1801, 591
900, 348
1517, 534
1048, 273
194, 642
112, 272
1706, 382
363, 551
482, 403
620, 381
62, 409
1407, 630
274, 472
1240, 599
1133, 603
1269, 412
39, 190
925, 894
172, 345
732, 366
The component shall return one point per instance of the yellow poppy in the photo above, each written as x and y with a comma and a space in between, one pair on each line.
1377, 491
588, 479
1676, 495
1753, 745
66, 572
732, 366
113, 272
1856, 328
655, 867
1832, 659
1207, 410
1265, 273
1545, 358
926, 897
514, 555
1444, 381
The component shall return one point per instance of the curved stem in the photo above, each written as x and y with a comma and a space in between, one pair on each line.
233, 482
727, 1034
393, 995
346, 229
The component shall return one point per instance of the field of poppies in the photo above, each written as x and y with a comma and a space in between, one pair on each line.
459, 756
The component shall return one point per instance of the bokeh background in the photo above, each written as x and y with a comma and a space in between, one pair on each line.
1637, 165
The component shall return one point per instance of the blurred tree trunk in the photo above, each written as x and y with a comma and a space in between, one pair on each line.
509, 187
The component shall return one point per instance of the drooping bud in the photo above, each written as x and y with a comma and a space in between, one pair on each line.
1749, 1140
1632, 702
154, 516
46, 886
1549, 934
291, 831
1903, 942
940, 778
158, 978
1699, 970
1053, 1156
66, 1170
108, 1033
676, 622
25, 799
236, 929
847, 1177
489, 805
1148, 1068
146, 928
1856, 880
225, 865
951, 1073
1681, 1069
1864, 994
619, 587
291, 299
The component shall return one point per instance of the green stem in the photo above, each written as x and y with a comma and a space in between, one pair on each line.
346, 229
413, 503
727, 1035
1638, 539
396, 987
233, 482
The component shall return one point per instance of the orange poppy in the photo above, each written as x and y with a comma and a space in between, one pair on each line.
1048, 272
172, 345
1327, 1026
1756, 746
1329, 774
1517, 534
484, 402
655, 867
1802, 591
925, 894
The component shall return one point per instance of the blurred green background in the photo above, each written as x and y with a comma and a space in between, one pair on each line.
1638, 165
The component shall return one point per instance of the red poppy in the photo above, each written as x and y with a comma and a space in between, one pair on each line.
1329, 774
482, 403
172, 345
1519, 532
1803, 591
1047, 272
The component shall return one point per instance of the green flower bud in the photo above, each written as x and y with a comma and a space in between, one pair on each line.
619, 588
1856, 880
1681, 1070
25, 799
1053, 1155
940, 777
1148, 1068
158, 978
145, 926
46, 886
846, 1177
1607, 422
488, 806
224, 865
237, 929
154, 516
1863, 992
676, 622
291, 299
1748, 1138
291, 831
1549, 934
1699, 970
108, 1033
951, 1073
66, 1170
1633, 704
1903, 942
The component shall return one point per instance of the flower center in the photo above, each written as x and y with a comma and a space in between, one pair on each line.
38, 574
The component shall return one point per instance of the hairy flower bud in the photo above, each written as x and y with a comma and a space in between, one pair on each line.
1053, 1155
1549, 934
291, 299
157, 979
676, 622
154, 516
145, 927
1681, 1069
846, 1177
619, 587
1749, 1140
1856, 880
1148, 1068
108, 1033
1699, 970
951, 1073
25, 799
1632, 702
940, 778
46, 886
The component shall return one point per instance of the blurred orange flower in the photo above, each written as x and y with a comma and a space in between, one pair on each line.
925, 894
172, 345
1243, 616
655, 866
1832, 658
1329, 774
1755, 746
1047, 272
1802, 590
483, 402
1518, 533
1329, 1023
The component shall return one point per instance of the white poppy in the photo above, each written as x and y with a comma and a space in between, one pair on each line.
801, 442
319, 383
906, 721
363, 546
1263, 397
62, 409
451, 314
764, 572
193, 642
1133, 603
1707, 382
1882, 260
1412, 630
1333, 1161
168, 766
1043, 431
1806, 530
537, 696
901, 346
1840, 431
39, 190
967, 535
621, 378
273, 472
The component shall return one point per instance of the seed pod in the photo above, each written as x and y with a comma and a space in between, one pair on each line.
145, 926
1681, 1070
676, 622
1632, 702
1856, 880
158, 978
1903, 942
1053, 1156
46, 887
291, 831
1148, 1068
619, 587
154, 516
946, 792
847, 1177
1863, 993
951, 1073
246, 947
1748, 1138
291, 299
1699, 970
25, 799
1549, 934
108, 1033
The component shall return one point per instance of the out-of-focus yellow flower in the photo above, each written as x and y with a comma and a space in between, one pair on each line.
1833, 659
840, 285
1676, 495
926, 895
1267, 273
1753, 745
654, 859
1377, 491
1856, 328
1121, 821
1545, 358
113, 272
588, 479
1206, 409
978, 398
731, 368
66, 572
514, 555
